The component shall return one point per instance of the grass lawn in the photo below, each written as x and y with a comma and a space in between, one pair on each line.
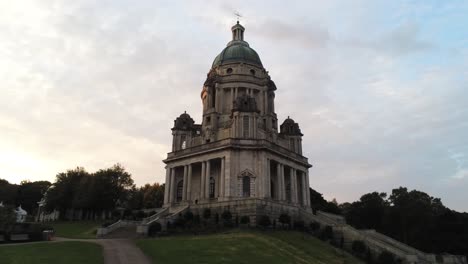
52, 252
243, 247
75, 229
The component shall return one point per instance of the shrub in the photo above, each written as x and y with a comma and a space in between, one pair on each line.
154, 228
359, 248
327, 233
188, 216
196, 219
216, 218
314, 226
140, 214
386, 258
206, 213
264, 221
284, 219
299, 225
227, 217
245, 220
180, 221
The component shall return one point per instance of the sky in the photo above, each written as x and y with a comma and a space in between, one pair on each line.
379, 88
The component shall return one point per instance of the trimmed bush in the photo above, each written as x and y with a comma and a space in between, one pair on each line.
299, 225
206, 213
327, 233
154, 228
264, 221
245, 220
314, 226
386, 258
188, 216
227, 218
140, 214
196, 219
284, 219
359, 248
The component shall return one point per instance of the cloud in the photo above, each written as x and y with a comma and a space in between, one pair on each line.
378, 90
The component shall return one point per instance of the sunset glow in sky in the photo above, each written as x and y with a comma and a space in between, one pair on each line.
379, 88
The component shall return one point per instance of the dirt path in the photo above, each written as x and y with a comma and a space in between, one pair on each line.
117, 251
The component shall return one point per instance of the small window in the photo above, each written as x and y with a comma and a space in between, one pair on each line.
229, 71
208, 120
252, 71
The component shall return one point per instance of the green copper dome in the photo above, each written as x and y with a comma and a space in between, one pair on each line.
237, 53
237, 50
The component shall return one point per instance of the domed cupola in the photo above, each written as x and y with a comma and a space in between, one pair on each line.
237, 50
183, 122
289, 127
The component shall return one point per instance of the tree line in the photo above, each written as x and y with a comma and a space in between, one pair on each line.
410, 216
77, 189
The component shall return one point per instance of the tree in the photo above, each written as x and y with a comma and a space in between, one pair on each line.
319, 203
7, 216
368, 212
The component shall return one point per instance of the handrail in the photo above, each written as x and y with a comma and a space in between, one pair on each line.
151, 218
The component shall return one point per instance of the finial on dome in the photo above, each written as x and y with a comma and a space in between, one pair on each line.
238, 29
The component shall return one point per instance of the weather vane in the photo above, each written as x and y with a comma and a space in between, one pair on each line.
238, 15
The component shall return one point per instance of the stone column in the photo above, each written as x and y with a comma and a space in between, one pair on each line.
281, 193
167, 186
307, 186
305, 190
222, 180
172, 187
232, 98
189, 182
202, 181
184, 188
207, 180
268, 179
293, 186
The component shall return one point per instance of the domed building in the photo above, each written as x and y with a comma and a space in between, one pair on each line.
237, 159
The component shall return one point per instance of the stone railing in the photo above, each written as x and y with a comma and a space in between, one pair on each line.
102, 231
150, 219
238, 143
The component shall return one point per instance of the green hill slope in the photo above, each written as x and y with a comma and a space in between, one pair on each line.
244, 247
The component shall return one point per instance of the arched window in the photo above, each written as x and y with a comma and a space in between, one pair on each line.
246, 186
212, 187
180, 188
183, 140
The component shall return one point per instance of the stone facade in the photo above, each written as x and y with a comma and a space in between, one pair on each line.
237, 152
